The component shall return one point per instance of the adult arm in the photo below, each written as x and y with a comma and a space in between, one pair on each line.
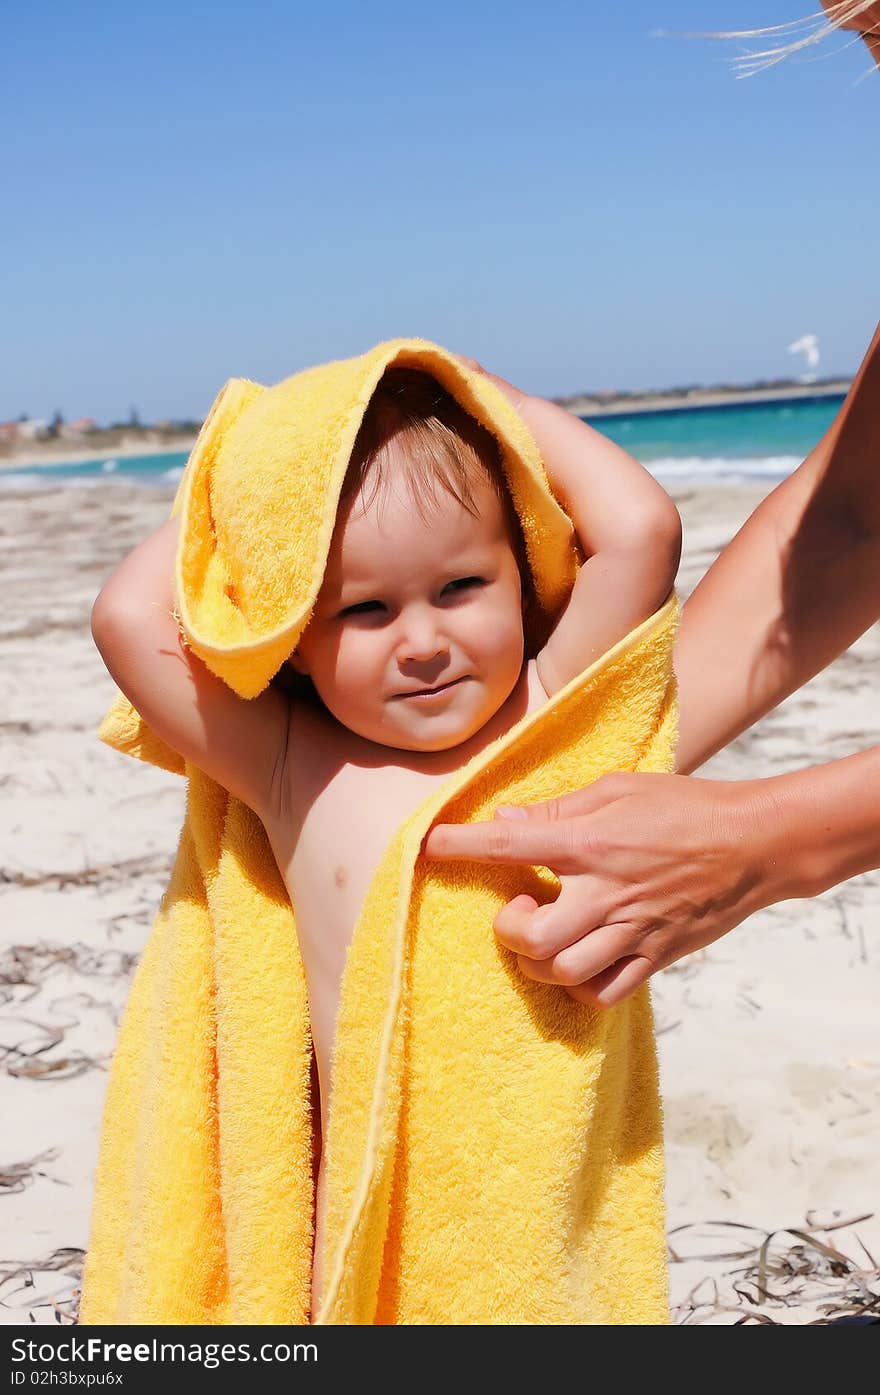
795, 587
653, 867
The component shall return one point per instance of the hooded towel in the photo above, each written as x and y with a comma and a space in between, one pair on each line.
493, 1150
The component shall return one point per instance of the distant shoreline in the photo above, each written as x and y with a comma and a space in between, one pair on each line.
585, 406
65, 452
33, 456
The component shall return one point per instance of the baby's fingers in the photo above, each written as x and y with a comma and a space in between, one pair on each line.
470, 363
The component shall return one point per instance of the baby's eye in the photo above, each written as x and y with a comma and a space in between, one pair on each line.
362, 608
462, 582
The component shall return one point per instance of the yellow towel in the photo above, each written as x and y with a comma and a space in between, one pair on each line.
493, 1152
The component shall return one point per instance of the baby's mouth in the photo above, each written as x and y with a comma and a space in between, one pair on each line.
431, 692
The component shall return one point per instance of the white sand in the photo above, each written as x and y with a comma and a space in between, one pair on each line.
769, 1048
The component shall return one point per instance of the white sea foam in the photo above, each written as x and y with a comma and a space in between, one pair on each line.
38, 479
698, 469
13, 479
710, 470
48, 479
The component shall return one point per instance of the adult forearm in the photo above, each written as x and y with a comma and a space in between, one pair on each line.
795, 587
829, 822
736, 656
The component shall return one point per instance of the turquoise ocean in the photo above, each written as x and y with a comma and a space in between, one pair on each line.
699, 445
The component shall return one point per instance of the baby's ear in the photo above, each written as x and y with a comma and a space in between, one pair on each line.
297, 662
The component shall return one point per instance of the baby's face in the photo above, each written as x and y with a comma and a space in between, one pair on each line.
407, 606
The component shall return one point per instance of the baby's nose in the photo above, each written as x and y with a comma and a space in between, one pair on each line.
421, 640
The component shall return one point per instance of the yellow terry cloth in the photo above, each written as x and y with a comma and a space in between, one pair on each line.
493, 1148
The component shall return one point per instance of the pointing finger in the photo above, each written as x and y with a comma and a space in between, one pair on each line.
563, 847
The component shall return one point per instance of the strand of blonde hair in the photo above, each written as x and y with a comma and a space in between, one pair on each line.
817, 26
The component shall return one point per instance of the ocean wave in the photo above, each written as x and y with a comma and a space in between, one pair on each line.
19, 479
722, 470
697, 469
37, 479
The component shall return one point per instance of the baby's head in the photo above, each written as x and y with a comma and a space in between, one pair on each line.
426, 581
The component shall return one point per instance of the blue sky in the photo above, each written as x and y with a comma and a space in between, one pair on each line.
196, 191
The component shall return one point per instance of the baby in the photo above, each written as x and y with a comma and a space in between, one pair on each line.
414, 658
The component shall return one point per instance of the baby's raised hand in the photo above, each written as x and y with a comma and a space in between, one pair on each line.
513, 395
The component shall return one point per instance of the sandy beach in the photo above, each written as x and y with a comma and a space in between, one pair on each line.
769, 1052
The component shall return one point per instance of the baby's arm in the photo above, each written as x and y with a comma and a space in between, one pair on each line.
627, 526
239, 743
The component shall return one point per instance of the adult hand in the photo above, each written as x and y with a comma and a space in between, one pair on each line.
651, 868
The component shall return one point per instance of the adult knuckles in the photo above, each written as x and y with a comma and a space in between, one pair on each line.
615, 785
498, 839
534, 940
561, 808
534, 944
582, 844
566, 972
515, 932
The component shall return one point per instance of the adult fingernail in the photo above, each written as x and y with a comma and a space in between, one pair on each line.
510, 811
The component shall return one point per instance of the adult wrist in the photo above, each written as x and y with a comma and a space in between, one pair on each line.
760, 819
823, 829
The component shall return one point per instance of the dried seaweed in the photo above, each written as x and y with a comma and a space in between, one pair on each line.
28, 1048
15, 1177
30, 965
100, 874
24, 1274
804, 1272
27, 1058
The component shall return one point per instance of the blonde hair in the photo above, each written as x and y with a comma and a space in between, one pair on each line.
414, 425
806, 32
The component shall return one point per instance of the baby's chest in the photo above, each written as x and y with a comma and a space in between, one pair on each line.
341, 820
